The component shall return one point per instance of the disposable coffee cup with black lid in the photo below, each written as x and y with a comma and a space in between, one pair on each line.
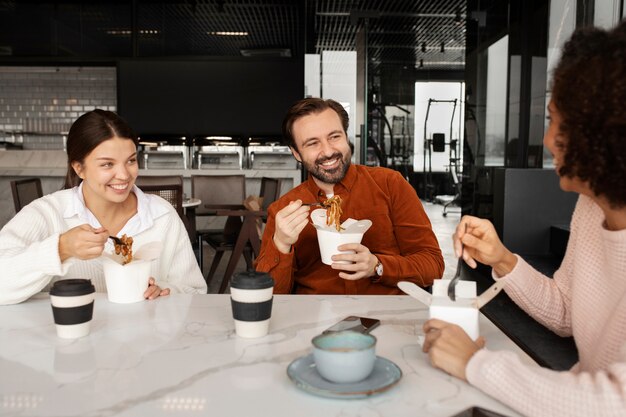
252, 280
251, 296
72, 287
72, 307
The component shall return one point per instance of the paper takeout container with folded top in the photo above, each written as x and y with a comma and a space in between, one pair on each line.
127, 283
463, 311
329, 239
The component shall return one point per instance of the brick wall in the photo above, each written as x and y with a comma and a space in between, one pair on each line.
38, 104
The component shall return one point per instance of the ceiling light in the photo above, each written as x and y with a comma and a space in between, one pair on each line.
225, 33
128, 32
218, 137
123, 32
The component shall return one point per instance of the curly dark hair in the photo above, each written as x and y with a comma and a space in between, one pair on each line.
589, 92
309, 106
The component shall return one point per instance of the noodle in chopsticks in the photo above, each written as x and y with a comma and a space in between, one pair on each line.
333, 211
125, 249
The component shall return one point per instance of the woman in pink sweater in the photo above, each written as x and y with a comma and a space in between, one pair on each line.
587, 297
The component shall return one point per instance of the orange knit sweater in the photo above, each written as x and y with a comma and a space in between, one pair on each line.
401, 237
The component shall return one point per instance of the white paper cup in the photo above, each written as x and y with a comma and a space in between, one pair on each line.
330, 240
72, 307
126, 283
251, 295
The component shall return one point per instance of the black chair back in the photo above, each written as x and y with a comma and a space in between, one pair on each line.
270, 191
158, 180
170, 192
25, 191
217, 190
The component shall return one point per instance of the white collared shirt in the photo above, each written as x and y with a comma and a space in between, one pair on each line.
140, 222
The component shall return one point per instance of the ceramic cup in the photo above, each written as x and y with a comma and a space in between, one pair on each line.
72, 307
344, 357
251, 295
126, 283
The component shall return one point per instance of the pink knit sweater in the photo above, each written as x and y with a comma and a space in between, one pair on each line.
586, 299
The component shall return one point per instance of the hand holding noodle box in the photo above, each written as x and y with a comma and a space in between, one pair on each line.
127, 274
331, 233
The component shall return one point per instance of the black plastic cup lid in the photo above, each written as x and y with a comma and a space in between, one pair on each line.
72, 287
252, 280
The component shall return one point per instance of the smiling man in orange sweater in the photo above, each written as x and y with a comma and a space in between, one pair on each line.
400, 245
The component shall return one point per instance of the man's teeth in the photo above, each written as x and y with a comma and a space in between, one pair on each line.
329, 162
119, 186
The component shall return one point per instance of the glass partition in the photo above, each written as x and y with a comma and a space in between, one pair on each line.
496, 97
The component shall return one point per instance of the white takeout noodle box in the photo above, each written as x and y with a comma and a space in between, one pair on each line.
127, 283
329, 239
463, 311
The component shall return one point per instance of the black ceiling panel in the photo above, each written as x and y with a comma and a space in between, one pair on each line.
419, 34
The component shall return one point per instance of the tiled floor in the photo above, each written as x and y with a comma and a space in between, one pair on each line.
442, 226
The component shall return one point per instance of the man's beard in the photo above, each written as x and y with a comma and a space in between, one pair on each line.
329, 177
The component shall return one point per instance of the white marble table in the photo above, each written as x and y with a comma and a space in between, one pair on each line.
179, 356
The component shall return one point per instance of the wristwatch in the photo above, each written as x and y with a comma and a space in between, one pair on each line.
379, 272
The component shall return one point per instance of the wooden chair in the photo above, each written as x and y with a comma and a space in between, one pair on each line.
170, 187
24, 191
170, 192
270, 191
248, 240
158, 180
218, 192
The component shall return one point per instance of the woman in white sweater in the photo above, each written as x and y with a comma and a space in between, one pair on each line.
62, 235
587, 296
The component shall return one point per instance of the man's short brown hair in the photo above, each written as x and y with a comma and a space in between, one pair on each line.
308, 106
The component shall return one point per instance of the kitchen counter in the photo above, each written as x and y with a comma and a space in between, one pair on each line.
179, 355
51, 167
54, 164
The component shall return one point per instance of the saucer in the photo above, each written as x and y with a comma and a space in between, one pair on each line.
303, 373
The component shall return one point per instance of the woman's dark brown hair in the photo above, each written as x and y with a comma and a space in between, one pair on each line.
89, 131
589, 92
309, 106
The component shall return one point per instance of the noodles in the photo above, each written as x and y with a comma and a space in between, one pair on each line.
125, 249
333, 211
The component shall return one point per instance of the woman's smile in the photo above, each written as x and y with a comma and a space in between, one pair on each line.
119, 188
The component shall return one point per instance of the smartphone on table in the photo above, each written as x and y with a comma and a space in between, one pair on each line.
478, 412
354, 323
